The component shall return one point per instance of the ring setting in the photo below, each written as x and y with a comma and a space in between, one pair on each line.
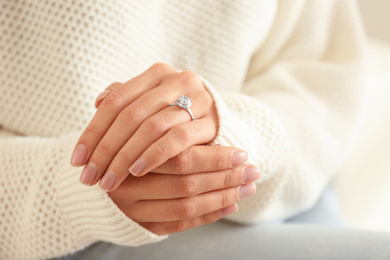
185, 103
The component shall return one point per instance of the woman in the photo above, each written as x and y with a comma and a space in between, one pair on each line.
283, 88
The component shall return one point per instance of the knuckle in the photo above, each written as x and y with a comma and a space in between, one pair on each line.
160, 151
221, 159
113, 101
205, 219
184, 134
161, 69
218, 161
189, 78
132, 114
187, 185
178, 226
228, 180
92, 132
124, 157
104, 149
226, 199
156, 124
186, 209
182, 162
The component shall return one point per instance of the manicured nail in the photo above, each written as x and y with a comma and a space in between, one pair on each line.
250, 174
239, 157
108, 180
228, 210
79, 155
89, 174
137, 167
246, 190
102, 95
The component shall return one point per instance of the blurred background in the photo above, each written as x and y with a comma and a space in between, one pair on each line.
363, 185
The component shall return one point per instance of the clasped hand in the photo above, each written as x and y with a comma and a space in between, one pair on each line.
135, 131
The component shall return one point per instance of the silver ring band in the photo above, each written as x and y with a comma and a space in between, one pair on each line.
187, 109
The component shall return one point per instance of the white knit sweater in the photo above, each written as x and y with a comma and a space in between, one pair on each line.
285, 76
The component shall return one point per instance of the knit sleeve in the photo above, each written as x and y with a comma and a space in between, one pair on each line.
299, 106
45, 211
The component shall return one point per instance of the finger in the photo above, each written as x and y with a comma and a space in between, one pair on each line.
177, 140
128, 121
110, 107
165, 228
114, 86
148, 133
159, 186
124, 126
136, 127
203, 158
188, 208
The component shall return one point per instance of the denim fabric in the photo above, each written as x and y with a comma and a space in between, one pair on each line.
319, 233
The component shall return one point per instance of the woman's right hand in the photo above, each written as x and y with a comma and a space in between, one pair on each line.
169, 203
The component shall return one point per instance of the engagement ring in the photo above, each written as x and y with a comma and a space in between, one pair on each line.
185, 103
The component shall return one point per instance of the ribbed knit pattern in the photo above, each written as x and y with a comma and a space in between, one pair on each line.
285, 76
46, 211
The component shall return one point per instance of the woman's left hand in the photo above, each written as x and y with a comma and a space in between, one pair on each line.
134, 130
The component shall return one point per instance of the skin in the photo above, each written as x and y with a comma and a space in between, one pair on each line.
187, 182
185, 200
134, 130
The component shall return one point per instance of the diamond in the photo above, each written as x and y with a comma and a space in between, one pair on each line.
184, 102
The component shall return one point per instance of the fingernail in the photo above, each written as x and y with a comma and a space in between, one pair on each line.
137, 167
228, 210
108, 180
246, 190
250, 174
102, 95
78, 156
239, 157
89, 174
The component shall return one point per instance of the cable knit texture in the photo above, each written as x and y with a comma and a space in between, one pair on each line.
285, 76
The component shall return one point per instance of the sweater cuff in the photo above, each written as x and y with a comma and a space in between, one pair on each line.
91, 213
248, 124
